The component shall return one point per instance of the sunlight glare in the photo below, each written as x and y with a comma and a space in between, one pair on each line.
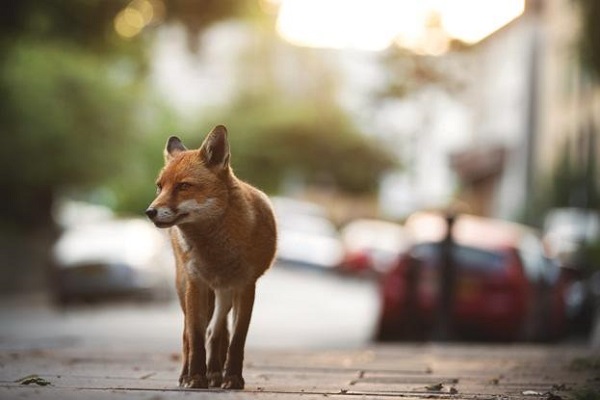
375, 24
473, 20
360, 24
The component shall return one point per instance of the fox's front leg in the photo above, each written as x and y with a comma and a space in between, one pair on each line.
181, 286
218, 337
196, 316
243, 301
183, 378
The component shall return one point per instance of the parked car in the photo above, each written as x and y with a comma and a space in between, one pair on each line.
306, 236
112, 257
372, 246
505, 287
573, 237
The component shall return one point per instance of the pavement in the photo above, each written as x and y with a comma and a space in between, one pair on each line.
416, 371
309, 339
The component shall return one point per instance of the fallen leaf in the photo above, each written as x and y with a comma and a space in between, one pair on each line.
28, 380
151, 374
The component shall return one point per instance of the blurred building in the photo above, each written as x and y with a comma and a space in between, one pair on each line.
531, 101
524, 100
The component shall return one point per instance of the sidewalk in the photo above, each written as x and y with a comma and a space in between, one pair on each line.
416, 371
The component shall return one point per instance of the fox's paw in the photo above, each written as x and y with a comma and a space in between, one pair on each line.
235, 382
193, 382
215, 379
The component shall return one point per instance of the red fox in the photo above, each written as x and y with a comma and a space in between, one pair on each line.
224, 237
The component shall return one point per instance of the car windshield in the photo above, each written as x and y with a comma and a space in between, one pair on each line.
467, 258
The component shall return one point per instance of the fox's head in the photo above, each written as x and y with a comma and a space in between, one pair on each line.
193, 185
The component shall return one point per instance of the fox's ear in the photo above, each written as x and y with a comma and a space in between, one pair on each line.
172, 148
215, 148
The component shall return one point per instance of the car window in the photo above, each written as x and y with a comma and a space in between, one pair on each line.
466, 257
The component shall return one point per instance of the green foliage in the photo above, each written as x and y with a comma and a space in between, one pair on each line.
84, 23
89, 23
589, 42
273, 141
590, 256
572, 182
65, 120
132, 190
73, 105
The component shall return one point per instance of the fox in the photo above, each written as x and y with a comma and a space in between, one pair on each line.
223, 234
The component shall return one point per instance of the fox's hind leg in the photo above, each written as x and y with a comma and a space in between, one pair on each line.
243, 301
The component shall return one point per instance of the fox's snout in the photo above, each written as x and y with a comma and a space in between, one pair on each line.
160, 218
186, 211
151, 213
163, 216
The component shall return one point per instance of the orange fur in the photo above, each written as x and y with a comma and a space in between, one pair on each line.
224, 237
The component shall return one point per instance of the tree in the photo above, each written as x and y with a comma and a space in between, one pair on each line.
589, 40
272, 141
72, 95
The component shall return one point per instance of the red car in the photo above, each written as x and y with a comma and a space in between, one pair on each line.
504, 286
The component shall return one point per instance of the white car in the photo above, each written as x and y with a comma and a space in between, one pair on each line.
305, 235
112, 257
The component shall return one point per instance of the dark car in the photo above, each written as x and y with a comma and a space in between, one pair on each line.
504, 287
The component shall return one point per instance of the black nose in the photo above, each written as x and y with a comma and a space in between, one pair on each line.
151, 213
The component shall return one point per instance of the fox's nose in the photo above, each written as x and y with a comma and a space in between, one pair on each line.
151, 212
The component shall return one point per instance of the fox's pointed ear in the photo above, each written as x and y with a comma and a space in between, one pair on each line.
173, 147
215, 148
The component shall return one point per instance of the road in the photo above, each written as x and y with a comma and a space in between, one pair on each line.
295, 308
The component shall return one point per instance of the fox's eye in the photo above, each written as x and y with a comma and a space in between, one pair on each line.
158, 188
183, 186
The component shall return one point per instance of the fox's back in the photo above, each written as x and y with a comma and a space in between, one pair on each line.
249, 224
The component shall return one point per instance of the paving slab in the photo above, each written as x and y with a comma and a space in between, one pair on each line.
407, 371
